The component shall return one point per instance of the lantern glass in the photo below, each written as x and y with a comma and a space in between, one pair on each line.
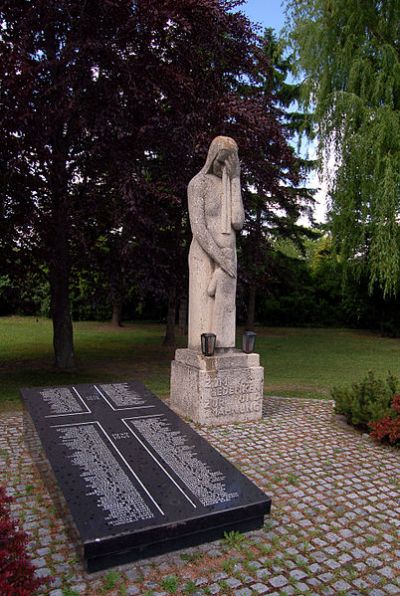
208, 343
248, 341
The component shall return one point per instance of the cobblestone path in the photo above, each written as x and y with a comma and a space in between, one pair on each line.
334, 526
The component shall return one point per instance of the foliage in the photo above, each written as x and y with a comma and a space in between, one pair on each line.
110, 580
238, 103
302, 288
6, 307
318, 358
192, 557
170, 584
350, 57
190, 587
52, 106
388, 427
27, 296
273, 211
289, 296
17, 574
24, 287
104, 126
305, 287
366, 401
368, 309
234, 539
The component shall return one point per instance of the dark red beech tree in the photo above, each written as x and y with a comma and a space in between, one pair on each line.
68, 70
121, 99
217, 84
211, 75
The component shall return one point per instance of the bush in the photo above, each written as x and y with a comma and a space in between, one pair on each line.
388, 428
17, 574
367, 401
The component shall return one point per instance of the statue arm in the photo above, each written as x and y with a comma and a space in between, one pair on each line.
237, 204
237, 212
200, 231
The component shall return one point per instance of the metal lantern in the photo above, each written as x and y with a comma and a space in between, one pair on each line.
208, 343
248, 341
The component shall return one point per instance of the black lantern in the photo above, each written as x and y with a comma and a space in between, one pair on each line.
248, 341
208, 343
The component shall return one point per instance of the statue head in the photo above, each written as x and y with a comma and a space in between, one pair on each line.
220, 149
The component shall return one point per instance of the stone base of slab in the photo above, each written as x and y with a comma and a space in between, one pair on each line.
220, 389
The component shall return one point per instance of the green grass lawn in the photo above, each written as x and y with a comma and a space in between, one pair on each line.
297, 362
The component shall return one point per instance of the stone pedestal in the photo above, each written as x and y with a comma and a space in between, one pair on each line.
220, 389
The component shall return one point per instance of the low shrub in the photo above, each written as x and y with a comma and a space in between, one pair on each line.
387, 429
367, 401
17, 574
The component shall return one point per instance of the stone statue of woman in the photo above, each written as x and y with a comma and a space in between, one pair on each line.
215, 211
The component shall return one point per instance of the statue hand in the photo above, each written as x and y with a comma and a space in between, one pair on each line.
233, 166
228, 263
231, 271
212, 286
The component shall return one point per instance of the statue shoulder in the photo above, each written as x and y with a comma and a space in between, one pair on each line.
197, 184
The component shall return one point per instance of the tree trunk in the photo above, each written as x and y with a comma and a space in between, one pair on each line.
169, 339
60, 304
116, 286
116, 318
251, 308
57, 232
183, 314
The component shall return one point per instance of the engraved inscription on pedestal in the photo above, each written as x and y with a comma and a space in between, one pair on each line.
103, 475
229, 394
222, 389
173, 447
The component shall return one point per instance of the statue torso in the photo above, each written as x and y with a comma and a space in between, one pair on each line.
212, 211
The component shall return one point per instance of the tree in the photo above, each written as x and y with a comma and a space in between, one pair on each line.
273, 209
105, 125
53, 110
350, 56
211, 75
193, 55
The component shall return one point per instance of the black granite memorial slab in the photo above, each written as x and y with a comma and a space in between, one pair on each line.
136, 479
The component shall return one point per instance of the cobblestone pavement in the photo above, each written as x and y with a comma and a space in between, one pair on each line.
334, 526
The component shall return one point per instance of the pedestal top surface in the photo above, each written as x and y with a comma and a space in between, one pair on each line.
222, 359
